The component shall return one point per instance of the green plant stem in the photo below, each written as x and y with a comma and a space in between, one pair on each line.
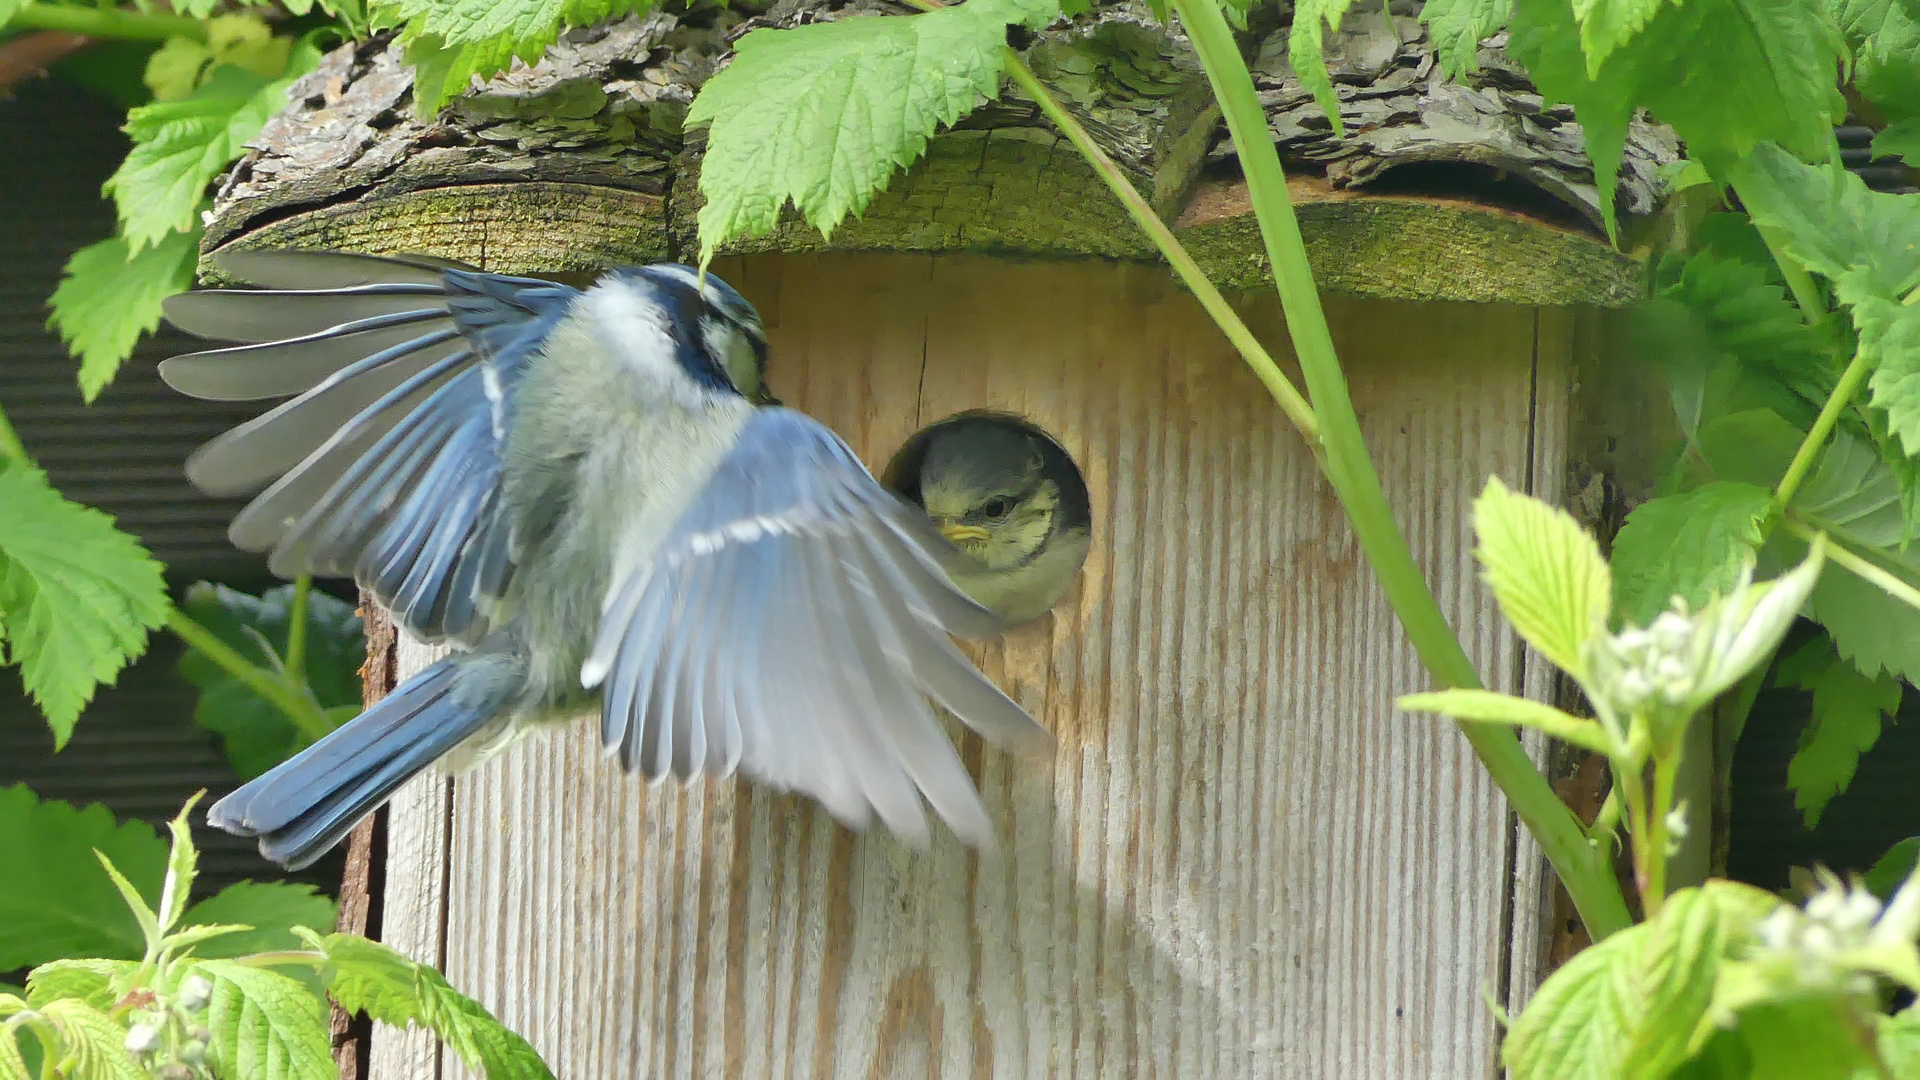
1264, 368
1607, 819
1806, 294
1586, 874
1823, 426
1653, 891
295, 662
107, 22
285, 695
1887, 582
1631, 783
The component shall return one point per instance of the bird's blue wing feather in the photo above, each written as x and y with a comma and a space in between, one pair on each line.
385, 464
795, 622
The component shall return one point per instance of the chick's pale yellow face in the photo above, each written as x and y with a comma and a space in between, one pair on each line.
1001, 528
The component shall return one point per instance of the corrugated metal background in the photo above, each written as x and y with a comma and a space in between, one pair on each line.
136, 749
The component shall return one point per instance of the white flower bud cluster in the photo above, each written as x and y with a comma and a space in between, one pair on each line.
1813, 941
148, 1035
1653, 667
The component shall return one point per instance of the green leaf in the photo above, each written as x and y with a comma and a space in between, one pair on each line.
248, 43
1456, 28
1545, 570
180, 146
108, 297
77, 595
1635, 1004
451, 41
1899, 1043
1693, 546
91, 981
1890, 339
271, 908
13, 1064
175, 68
824, 114
1606, 25
1306, 50
1809, 1039
257, 734
1831, 222
1893, 868
1901, 140
1744, 314
183, 863
1848, 709
1873, 631
1487, 706
143, 913
54, 899
265, 1025
366, 976
90, 1039
1725, 74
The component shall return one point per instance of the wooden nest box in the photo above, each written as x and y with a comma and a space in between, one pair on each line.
1241, 862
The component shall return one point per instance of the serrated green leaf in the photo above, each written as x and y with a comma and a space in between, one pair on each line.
265, 1025
271, 908
91, 981
1725, 74
1693, 545
180, 146
1487, 706
183, 863
1749, 317
1848, 709
77, 595
451, 41
1890, 339
366, 976
129, 895
109, 298
1832, 223
1606, 25
1901, 140
13, 1064
1306, 50
1872, 630
175, 68
1635, 1004
1545, 570
823, 115
257, 734
54, 900
96, 1045
1456, 28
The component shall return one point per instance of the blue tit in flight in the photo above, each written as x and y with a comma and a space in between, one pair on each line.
1012, 503
589, 494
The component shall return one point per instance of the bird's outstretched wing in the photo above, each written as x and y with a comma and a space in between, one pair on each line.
794, 625
384, 464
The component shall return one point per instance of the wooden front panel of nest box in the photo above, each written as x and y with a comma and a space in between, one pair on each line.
1241, 862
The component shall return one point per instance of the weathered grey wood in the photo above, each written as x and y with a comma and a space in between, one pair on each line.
592, 137
1241, 862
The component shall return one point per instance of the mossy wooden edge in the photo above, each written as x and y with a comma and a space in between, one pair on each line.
512, 228
1012, 192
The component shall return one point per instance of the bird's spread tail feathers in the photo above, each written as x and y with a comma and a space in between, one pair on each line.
304, 806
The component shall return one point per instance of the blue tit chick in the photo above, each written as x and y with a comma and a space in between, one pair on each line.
1012, 503
585, 493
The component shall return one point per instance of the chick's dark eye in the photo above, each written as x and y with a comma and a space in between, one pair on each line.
997, 508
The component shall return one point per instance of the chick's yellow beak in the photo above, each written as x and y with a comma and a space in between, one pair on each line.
961, 533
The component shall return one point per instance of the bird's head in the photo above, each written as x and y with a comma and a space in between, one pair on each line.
721, 343
988, 489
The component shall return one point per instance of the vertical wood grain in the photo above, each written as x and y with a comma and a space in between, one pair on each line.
1241, 862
